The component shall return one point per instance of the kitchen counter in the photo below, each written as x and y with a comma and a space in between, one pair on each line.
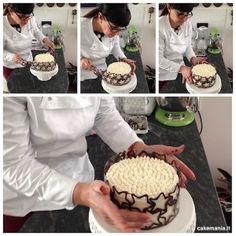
95, 86
208, 210
176, 86
22, 81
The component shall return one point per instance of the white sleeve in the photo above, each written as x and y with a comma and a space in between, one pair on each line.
7, 56
112, 128
116, 50
165, 63
189, 51
36, 31
21, 171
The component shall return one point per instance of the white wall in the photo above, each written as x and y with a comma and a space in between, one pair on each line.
61, 16
140, 18
217, 132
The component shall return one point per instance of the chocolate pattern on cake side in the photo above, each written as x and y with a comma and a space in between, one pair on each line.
151, 204
204, 81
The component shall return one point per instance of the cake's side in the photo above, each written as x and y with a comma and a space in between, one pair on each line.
44, 62
118, 73
204, 75
144, 184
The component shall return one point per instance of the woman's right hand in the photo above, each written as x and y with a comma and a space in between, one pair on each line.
96, 195
186, 73
17, 58
85, 63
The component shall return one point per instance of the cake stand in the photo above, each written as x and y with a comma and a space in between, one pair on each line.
214, 89
127, 88
44, 75
184, 222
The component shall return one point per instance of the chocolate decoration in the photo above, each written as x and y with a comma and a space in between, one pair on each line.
43, 66
151, 204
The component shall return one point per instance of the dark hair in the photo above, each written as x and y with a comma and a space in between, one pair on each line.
117, 14
23, 8
183, 7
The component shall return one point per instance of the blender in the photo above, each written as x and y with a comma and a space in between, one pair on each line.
176, 111
202, 39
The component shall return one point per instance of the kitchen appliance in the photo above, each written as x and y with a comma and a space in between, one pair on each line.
57, 37
176, 111
194, 40
133, 40
202, 40
215, 42
47, 28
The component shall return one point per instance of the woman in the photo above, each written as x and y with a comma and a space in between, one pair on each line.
46, 165
100, 37
175, 34
19, 28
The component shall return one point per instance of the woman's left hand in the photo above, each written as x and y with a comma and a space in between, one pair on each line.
170, 152
198, 60
49, 43
131, 63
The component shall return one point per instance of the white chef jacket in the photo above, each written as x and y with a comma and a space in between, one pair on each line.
96, 50
173, 47
15, 42
45, 150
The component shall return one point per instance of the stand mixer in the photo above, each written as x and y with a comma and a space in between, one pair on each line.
176, 111
215, 42
57, 37
133, 40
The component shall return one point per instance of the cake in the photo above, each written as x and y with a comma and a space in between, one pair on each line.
43, 62
145, 184
118, 73
204, 75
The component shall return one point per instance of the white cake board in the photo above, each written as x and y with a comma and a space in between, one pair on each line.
214, 89
184, 222
127, 88
44, 75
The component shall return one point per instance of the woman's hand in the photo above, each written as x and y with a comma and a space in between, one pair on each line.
186, 74
96, 195
131, 63
198, 60
17, 58
170, 152
85, 63
49, 43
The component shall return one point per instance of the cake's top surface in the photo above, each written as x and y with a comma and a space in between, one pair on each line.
120, 68
44, 57
204, 70
143, 175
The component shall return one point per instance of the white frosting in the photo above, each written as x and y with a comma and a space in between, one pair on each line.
120, 68
204, 70
143, 175
44, 57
